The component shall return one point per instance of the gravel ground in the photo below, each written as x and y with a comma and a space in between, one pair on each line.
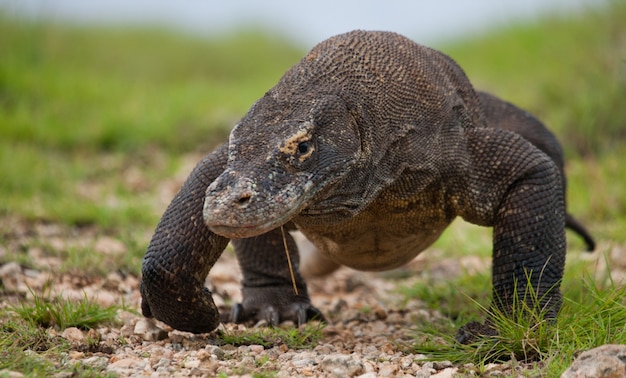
369, 322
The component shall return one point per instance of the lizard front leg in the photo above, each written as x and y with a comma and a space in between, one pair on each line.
269, 289
517, 190
180, 255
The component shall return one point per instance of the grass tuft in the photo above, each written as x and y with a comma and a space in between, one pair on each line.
58, 312
445, 297
28, 346
593, 317
303, 337
28, 349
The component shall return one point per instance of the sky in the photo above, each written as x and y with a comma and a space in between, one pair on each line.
307, 22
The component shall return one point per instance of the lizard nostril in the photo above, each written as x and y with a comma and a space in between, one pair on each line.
243, 200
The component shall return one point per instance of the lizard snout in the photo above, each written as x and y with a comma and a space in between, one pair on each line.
239, 207
227, 196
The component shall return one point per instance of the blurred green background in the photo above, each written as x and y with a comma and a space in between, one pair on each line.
93, 120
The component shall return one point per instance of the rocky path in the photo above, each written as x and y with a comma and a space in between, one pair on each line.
370, 332
370, 327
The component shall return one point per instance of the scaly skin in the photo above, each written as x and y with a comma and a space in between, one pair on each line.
370, 146
503, 115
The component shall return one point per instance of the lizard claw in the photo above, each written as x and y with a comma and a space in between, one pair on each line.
473, 331
311, 313
237, 313
301, 315
270, 315
256, 307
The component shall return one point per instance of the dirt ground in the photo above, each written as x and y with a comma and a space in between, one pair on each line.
370, 331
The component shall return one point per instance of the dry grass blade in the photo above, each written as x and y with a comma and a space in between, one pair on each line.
293, 278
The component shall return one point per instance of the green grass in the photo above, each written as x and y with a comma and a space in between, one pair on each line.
28, 349
593, 314
445, 296
569, 71
93, 121
27, 334
81, 107
304, 337
61, 313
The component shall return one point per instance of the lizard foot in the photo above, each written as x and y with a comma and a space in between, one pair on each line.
274, 305
473, 331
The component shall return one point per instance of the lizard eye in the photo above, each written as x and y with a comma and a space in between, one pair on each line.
303, 148
298, 148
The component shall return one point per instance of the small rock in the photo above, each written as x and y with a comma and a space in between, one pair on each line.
449, 372
162, 363
341, 365
256, 349
191, 363
127, 363
246, 361
113, 281
339, 305
440, 365
199, 372
492, 368
37, 280
203, 355
11, 277
149, 331
350, 314
330, 330
406, 362
105, 299
10, 374
94, 336
379, 312
367, 375
76, 355
388, 348
216, 351
607, 361
129, 284
387, 370
73, 334
304, 359
96, 362
371, 352
426, 370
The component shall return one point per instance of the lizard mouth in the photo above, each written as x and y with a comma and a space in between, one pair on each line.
238, 214
241, 231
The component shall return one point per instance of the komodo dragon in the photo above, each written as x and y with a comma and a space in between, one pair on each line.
370, 146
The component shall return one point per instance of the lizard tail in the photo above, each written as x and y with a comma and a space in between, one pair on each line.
574, 225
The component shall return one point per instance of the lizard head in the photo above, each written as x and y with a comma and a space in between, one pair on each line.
281, 157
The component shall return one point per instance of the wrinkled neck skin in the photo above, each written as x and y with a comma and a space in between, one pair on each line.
351, 155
